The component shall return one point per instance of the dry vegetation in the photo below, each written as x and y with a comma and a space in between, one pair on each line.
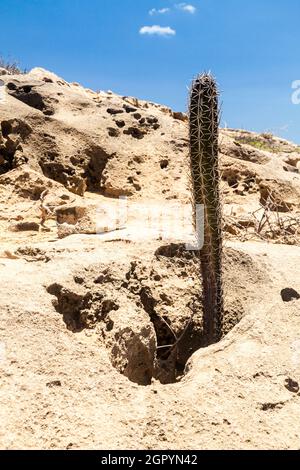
266, 224
11, 66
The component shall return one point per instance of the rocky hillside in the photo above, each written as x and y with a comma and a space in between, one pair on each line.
120, 146
100, 327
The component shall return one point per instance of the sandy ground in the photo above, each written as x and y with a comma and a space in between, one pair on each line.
59, 389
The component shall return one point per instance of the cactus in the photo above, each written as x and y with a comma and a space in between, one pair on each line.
204, 130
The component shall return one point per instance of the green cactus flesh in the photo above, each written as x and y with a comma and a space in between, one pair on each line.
204, 130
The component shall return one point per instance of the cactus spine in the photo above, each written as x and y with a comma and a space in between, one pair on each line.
204, 130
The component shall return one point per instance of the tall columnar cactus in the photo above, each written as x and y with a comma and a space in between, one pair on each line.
204, 131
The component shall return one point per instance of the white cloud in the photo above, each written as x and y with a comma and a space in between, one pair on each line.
186, 7
158, 30
161, 11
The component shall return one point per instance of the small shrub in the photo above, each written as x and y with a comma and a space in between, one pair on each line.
263, 143
12, 67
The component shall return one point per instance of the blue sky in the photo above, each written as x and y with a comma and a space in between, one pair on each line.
252, 48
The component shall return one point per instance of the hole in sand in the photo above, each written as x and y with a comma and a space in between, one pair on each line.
164, 164
289, 294
150, 327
